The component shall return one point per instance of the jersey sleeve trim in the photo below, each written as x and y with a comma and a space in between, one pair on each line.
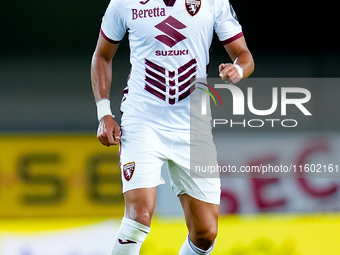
107, 38
231, 39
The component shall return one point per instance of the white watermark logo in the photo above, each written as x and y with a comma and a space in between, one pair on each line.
239, 105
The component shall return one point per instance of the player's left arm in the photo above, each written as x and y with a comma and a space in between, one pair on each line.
241, 56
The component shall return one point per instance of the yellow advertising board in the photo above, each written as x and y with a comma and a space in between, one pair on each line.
58, 175
268, 234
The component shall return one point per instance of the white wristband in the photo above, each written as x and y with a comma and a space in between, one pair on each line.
103, 108
239, 70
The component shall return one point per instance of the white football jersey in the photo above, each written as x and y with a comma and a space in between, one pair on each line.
169, 42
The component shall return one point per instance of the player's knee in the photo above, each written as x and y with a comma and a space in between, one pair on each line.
204, 238
144, 217
139, 206
141, 215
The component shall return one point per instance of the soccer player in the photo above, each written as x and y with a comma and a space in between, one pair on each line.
169, 42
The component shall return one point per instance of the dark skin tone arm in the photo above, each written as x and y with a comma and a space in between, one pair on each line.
237, 50
101, 76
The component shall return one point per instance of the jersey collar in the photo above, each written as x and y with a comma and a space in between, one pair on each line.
169, 3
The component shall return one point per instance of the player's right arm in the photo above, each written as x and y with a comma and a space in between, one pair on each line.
101, 76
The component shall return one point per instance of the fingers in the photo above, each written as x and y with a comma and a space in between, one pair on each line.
116, 134
108, 131
102, 135
229, 72
221, 67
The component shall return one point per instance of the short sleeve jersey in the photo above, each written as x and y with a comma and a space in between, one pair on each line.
169, 43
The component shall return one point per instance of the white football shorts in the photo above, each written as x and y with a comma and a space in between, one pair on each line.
144, 150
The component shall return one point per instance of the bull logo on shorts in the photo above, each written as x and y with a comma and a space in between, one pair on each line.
193, 6
128, 170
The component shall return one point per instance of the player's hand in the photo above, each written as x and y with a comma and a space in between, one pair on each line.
108, 131
229, 73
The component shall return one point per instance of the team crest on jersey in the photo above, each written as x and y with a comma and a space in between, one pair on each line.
128, 170
193, 6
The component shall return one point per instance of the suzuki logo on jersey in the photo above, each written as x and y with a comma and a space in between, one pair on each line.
193, 6
169, 26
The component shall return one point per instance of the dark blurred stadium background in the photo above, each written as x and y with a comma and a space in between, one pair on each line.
48, 148
46, 49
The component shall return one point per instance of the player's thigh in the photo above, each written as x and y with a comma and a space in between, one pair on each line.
140, 160
195, 150
140, 204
